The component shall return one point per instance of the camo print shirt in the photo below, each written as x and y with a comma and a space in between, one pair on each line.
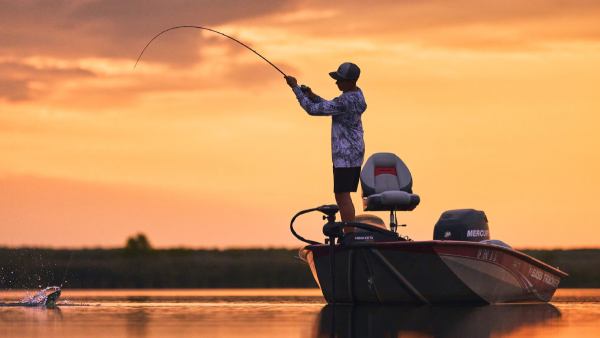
347, 144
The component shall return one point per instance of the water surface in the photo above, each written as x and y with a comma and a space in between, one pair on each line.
287, 313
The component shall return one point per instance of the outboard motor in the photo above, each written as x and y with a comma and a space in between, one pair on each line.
462, 225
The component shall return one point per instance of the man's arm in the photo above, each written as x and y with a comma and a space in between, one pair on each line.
322, 108
317, 106
312, 96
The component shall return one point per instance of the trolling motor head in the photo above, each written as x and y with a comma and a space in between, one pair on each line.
330, 210
332, 228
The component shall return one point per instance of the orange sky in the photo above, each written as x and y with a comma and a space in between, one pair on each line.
492, 105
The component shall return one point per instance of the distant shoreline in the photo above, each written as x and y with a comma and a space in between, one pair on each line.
146, 268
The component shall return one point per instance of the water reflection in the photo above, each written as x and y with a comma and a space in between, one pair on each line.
137, 323
288, 313
430, 321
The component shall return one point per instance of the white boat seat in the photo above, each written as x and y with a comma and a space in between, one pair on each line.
387, 184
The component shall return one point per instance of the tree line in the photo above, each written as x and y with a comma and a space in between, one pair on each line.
138, 265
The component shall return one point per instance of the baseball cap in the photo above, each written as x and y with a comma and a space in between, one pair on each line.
346, 71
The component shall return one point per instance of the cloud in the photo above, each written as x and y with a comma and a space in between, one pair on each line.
109, 31
457, 24
116, 28
88, 89
14, 90
115, 32
21, 82
120, 29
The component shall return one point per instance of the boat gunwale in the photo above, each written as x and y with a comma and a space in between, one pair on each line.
383, 245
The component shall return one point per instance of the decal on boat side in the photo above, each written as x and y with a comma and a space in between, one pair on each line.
516, 263
541, 287
548, 279
488, 255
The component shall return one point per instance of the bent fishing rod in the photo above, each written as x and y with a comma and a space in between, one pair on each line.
208, 29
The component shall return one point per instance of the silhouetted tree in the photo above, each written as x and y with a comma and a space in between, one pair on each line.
137, 245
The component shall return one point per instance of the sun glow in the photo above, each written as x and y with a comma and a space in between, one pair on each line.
497, 114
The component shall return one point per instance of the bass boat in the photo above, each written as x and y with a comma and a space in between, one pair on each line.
377, 265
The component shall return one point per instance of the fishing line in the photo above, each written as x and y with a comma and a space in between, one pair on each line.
101, 168
68, 265
138, 59
208, 29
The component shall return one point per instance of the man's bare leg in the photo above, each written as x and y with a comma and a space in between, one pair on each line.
346, 206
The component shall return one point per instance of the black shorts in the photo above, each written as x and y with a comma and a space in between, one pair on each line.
345, 179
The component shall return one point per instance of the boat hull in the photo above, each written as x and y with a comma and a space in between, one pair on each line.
431, 272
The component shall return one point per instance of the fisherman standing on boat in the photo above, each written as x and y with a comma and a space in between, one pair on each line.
347, 144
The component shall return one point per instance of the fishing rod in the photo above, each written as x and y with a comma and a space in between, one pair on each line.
208, 29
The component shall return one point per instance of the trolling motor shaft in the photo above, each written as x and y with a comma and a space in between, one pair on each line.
332, 229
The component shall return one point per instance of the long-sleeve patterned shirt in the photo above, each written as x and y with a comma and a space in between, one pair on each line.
347, 144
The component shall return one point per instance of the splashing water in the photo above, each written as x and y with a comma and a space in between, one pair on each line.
40, 298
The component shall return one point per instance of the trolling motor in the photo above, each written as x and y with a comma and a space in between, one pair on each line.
333, 230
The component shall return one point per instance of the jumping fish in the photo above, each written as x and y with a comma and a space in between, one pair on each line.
52, 298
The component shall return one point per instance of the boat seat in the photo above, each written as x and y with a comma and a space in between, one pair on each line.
387, 184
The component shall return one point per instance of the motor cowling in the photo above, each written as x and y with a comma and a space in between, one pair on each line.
462, 225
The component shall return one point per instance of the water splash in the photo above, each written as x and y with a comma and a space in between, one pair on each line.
46, 298
41, 298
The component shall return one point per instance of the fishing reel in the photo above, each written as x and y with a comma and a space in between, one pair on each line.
307, 91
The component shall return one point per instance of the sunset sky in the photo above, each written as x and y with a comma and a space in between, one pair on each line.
493, 105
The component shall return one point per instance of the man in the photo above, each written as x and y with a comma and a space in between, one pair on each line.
347, 144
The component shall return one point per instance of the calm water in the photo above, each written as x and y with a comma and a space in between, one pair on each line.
287, 313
